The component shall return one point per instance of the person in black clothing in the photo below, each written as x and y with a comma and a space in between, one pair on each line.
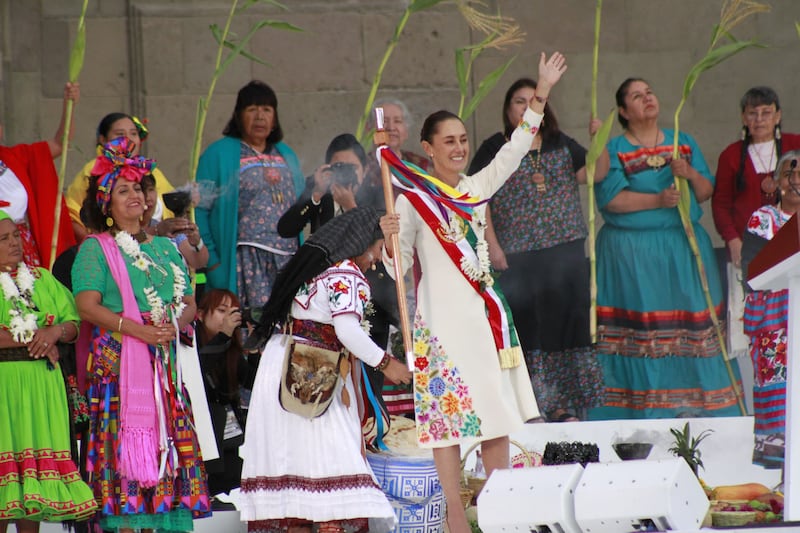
225, 373
333, 189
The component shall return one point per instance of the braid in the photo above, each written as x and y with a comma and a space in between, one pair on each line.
742, 161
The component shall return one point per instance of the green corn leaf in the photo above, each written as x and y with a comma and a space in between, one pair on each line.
216, 32
797, 28
600, 138
248, 55
714, 58
237, 50
250, 3
78, 51
419, 5
461, 70
485, 87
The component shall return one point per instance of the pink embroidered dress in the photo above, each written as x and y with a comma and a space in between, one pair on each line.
296, 470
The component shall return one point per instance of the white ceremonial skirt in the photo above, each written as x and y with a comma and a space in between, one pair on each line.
308, 469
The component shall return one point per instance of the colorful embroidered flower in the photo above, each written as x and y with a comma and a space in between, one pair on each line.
420, 348
442, 402
466, 404
341, 287
450, 404
437, 386
438, 429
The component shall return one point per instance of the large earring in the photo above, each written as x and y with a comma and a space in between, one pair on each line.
777, 132
744, 132
109, 221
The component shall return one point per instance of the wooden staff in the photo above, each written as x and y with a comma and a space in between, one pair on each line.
400, 284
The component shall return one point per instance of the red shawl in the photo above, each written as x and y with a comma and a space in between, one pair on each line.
33, 165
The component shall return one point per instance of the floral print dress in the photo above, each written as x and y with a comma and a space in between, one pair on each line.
765, 323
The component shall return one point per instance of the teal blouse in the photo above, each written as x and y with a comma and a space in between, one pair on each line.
90, 272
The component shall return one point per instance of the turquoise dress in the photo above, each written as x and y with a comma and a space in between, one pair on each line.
656, 342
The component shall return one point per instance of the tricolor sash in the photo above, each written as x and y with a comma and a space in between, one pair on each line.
497, 311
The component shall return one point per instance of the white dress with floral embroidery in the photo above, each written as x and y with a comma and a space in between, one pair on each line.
460, 392
313, 469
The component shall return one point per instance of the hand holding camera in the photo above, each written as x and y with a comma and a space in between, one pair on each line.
231, 321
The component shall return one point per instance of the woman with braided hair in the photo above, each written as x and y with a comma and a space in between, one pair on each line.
744, 171
297, 471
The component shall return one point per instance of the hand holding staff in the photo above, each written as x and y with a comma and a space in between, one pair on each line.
390, 225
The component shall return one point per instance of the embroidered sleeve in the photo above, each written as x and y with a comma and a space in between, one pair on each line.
760, 224
348, 292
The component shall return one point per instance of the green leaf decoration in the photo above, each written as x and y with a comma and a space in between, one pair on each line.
461, 70
600, 138
485, 87
420, 5
78, 51
714, 58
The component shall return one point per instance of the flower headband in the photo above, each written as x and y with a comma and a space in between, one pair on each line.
115, 161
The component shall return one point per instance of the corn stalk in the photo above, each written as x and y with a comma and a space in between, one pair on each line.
226, 40
500, 32
733, 13
413, 7
598, 142
76, 56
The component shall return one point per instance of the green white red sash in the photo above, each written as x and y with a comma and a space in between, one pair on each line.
497, 311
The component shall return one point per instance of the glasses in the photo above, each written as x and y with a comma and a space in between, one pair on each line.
762, 114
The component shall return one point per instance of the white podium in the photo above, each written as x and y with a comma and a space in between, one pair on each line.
776, 267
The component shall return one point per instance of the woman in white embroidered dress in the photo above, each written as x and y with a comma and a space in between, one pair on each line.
470, 383
299, 472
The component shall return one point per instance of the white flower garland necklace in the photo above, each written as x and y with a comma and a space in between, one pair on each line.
456, 229
20, 291
142, 261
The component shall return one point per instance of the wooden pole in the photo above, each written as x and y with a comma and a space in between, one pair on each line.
400, 284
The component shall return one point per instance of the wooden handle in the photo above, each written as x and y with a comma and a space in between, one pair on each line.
400, 284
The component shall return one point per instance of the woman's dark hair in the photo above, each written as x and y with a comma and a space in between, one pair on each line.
92, 215
755, 97
148, 180
106, 122
622, 92
431, 124
549, 127
254, 93
93, 218
343, 143
230, 363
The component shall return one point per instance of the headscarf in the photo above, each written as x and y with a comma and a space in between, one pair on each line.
115, 161
344, 237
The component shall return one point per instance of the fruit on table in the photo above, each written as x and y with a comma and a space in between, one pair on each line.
745, 491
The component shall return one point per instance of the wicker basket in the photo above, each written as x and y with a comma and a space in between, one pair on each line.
732, 518
471, 486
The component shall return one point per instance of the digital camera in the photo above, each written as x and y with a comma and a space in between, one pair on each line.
343, 174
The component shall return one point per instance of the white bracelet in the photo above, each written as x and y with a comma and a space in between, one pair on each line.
199, 246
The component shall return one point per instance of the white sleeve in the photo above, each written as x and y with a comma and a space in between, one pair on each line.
355, 339
488, 180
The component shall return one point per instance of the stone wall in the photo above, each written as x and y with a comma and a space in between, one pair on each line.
154, 58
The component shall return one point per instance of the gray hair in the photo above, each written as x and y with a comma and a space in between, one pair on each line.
380, 102
791, 154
